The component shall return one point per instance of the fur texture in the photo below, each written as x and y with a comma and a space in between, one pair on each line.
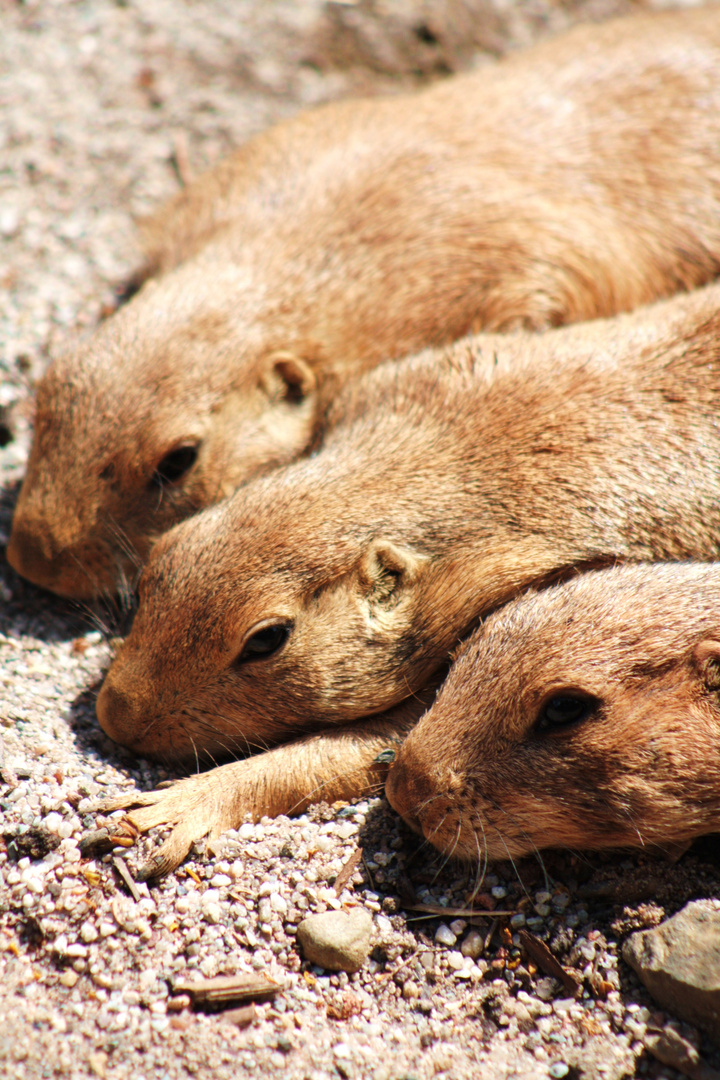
483, 775
452, 483
578, 179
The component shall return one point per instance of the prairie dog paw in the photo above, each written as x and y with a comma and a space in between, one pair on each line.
195, 807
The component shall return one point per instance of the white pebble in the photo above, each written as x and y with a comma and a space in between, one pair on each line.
220, 880
445, 936
279, 903
147, 978
212, 913
384, 925
9, 221
455, 960
472, 946
52, 822
77, 950
88, 932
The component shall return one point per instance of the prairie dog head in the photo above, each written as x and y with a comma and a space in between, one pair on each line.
583, 716
277, 612
175, 402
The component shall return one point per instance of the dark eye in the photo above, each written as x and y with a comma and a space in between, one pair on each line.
564, 709
175, 464
265, 642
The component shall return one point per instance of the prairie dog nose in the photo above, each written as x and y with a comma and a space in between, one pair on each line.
32, 553
116, 714
408, 788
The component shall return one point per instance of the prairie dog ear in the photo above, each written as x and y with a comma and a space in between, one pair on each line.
387, 568
288, 378
706, 656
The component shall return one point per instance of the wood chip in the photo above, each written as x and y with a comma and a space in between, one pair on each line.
348, 870
458, 912
122, 870
538, 951
226, 990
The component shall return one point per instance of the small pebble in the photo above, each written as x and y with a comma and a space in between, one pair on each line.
455, 960
337, 940
472, 946
445, 936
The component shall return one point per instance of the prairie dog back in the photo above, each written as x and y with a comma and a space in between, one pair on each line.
336, 587
577, 179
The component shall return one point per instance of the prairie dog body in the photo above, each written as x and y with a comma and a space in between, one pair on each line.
337, 587
584, 716
577, 179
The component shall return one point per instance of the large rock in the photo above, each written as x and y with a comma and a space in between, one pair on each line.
336, 940
679, 962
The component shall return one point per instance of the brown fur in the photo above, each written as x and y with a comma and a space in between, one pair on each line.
452, 484
482, 776
577, 179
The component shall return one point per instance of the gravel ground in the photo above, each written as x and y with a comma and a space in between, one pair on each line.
102, 105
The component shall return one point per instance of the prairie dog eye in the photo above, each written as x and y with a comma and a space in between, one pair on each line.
175, 464
264, 642
561, 710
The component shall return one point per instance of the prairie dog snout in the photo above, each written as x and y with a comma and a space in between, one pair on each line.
583, 716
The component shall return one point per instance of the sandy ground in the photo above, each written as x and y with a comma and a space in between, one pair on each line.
102, 105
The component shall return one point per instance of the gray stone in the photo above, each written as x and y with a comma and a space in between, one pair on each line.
679, 962
336, 940
671, 1049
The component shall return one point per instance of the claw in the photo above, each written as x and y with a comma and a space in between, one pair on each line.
178, 805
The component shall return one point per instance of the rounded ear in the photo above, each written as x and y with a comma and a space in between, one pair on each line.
387, 568
706, 656
289, 378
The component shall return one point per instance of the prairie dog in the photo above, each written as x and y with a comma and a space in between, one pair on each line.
577, 179
584, 716
335, 588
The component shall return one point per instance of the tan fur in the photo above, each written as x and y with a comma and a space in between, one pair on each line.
327, 766
482, 776
577, 179
453, 483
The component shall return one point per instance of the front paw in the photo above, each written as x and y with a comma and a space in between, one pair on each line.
195, 807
